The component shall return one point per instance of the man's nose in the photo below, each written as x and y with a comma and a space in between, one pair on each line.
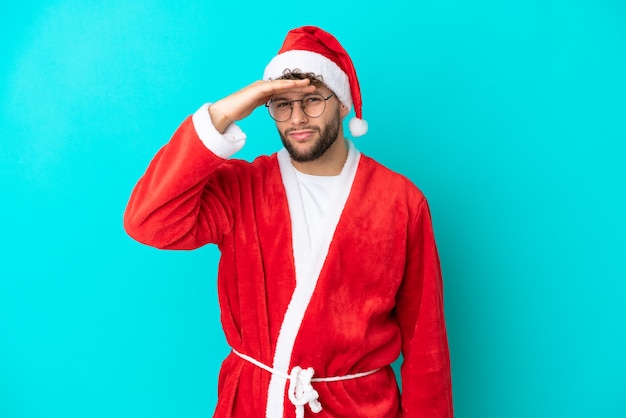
297, 113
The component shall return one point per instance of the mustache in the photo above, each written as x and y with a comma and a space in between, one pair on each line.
310, 128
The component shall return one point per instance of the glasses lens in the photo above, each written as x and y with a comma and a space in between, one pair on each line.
313, 105
280, 109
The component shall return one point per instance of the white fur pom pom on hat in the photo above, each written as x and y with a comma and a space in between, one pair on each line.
358, 127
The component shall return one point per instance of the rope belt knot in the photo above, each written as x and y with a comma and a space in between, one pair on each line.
301, 391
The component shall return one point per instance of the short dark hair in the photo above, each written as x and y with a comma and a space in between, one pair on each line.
296, 74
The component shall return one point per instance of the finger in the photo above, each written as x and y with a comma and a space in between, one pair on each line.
281, 86
266, 89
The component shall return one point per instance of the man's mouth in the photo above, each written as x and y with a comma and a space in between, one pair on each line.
301, 135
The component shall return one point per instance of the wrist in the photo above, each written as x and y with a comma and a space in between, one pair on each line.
221, 144
219, 119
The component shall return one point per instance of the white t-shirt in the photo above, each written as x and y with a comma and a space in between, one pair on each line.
319, 195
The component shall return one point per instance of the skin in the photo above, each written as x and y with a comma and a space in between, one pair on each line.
300, 133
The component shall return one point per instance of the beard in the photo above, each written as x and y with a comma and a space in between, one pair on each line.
327, 137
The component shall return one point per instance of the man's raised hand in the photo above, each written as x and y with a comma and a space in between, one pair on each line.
241, 103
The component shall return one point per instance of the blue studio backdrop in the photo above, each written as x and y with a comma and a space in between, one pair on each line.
509, 115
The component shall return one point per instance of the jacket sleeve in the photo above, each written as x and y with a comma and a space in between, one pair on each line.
425, 371
182, 201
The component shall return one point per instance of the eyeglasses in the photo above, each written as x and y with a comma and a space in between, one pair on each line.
313, 105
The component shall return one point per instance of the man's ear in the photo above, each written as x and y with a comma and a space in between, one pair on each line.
343, 111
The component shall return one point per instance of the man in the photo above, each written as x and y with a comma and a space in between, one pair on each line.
328, 269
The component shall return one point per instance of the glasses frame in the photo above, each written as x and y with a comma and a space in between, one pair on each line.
301, 105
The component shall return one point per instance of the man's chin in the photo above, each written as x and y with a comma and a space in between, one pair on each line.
301, 152
301, 156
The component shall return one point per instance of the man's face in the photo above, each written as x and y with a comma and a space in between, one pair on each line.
305, 138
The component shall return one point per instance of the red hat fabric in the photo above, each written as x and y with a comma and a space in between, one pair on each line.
311, 49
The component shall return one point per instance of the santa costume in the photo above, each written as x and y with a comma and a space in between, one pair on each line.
323, 282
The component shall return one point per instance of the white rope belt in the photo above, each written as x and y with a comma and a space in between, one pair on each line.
301, 391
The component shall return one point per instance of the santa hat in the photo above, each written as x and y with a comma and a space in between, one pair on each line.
310, 49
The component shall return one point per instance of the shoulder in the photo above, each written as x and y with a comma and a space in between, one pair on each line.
242, 171
260, 163
381, 179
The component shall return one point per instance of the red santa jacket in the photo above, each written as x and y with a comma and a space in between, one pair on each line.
377, 291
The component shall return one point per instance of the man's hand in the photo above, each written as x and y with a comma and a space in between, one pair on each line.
241, 103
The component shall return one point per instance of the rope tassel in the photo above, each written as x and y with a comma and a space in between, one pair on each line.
301, 391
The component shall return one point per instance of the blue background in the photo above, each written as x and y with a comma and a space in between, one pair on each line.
509, 115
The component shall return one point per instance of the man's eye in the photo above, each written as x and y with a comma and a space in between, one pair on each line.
281, 105
312, 99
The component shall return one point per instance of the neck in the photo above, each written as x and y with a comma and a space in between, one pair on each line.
329, 164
